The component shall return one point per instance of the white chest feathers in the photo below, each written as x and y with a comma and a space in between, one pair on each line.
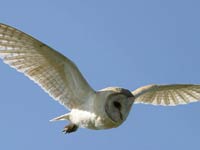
86, 119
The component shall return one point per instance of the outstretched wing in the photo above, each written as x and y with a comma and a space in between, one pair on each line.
167, 95
55, 73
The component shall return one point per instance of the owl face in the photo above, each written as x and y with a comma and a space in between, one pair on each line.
118, 105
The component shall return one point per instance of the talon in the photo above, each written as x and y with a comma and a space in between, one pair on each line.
70, 128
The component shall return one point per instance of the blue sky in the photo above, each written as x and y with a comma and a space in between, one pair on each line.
114, 43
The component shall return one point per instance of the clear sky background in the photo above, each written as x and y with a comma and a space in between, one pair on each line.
126, 43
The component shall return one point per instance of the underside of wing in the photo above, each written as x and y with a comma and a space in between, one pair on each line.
167, 95
55, 73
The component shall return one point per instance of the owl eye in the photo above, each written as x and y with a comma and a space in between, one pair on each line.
117, 105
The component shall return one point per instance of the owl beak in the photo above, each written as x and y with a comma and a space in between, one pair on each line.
121, 116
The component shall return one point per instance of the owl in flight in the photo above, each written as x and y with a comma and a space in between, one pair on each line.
61, 79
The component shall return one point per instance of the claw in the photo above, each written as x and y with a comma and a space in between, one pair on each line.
70, 128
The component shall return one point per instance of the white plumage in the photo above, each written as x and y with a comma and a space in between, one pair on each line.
61, 79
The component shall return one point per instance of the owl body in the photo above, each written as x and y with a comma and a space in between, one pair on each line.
93, 114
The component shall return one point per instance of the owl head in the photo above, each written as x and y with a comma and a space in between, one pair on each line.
118, 103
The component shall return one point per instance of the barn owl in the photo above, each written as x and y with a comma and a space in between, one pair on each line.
60, 78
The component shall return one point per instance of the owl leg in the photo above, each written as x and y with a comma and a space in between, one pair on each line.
70, 128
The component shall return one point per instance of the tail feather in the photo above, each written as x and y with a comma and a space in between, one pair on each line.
62, 117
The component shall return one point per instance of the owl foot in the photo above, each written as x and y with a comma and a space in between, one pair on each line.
70, 128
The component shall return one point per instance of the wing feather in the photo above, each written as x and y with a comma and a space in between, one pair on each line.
167, 95
55, 73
